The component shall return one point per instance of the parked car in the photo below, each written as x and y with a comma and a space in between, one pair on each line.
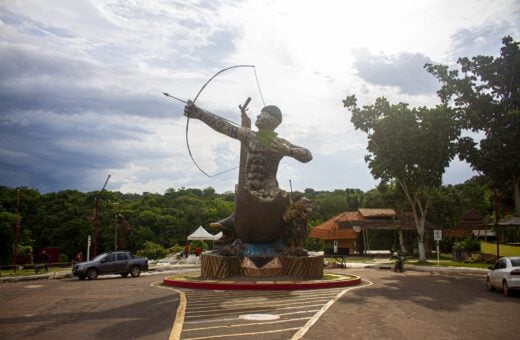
504, 274
117, 262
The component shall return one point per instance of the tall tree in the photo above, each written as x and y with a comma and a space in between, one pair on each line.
411, 146
486, 98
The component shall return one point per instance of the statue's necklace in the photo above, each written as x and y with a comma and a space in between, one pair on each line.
265, 137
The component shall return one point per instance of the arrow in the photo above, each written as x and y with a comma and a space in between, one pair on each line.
169, 95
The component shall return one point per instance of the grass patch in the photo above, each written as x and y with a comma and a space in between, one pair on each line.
30, 271
450, 263
352, 259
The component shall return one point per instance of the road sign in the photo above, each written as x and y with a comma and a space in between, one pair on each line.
437, 235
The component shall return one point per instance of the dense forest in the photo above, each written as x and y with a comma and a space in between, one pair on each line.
64, 219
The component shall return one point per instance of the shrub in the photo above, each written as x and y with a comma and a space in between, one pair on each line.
469, 244
176, 248
64, 258
152, 250
199, 243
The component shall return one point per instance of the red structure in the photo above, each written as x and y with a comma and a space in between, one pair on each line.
53, 252
16, 231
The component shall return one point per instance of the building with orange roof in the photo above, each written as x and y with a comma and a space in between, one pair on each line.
347, 232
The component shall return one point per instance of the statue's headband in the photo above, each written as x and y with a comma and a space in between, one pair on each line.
273, 111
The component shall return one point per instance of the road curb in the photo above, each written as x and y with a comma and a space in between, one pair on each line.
448, 269
432, 268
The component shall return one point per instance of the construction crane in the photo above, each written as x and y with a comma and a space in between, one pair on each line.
95, 218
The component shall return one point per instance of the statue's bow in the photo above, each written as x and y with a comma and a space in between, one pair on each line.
195, 99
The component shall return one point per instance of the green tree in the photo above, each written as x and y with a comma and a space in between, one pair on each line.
451, 202
7, 224
152, 250
330, 204
411, 146
486, 99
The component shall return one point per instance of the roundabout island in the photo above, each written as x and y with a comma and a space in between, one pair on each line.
272, 283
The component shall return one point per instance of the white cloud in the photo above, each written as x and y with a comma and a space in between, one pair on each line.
82, 83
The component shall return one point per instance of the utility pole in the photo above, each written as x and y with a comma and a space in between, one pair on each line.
496, 222
115, 234
123, 224
292, 195
96, 217
16, 230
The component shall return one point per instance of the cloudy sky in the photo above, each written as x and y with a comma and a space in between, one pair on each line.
81, 83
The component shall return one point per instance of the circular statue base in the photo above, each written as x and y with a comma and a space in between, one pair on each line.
214, 266
275, 283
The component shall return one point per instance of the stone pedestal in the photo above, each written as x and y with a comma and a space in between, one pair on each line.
304, 267
214, 266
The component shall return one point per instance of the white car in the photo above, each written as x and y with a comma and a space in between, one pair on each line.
504, 274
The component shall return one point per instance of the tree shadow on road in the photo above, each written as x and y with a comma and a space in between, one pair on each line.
438, 292
158, 314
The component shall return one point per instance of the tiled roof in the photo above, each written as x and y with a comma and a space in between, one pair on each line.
333, 234
472, 215
341, 225
377, 212
471, 220
330, 230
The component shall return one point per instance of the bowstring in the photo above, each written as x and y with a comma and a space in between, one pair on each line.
230, 121
258, 86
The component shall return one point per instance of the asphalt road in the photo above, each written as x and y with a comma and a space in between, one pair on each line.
107, 308
420, 305
411, 305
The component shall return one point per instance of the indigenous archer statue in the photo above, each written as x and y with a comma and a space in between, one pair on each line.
258, 225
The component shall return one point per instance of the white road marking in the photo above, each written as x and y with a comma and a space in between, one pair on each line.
243, 334
234, 319
258, 311
209, 310
301, 332
252, 305
246, 324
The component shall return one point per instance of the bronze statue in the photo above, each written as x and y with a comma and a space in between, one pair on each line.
260, 204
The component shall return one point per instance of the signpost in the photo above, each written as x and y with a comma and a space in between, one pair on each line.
437, 236
89, 241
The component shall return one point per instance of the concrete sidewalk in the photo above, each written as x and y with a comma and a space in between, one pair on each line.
380, 264
61, 274
385, 264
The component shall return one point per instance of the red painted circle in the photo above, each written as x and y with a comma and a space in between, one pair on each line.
260, 285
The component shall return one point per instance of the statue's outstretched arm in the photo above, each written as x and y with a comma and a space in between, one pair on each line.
287, 149
215, 122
